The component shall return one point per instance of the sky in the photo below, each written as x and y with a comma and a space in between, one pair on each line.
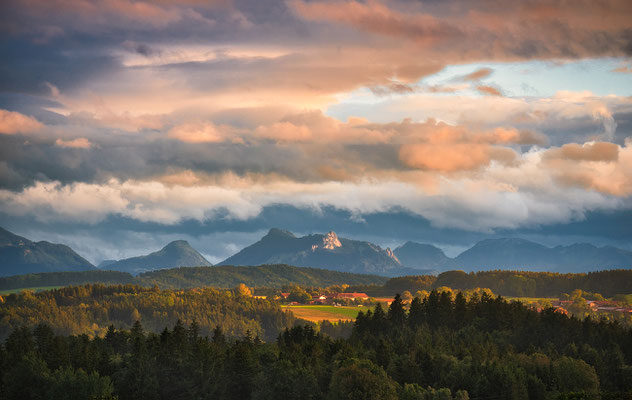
126, 124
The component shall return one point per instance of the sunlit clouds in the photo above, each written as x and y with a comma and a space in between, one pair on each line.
165, 112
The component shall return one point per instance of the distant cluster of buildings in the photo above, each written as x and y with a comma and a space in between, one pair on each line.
333, 298
562, 306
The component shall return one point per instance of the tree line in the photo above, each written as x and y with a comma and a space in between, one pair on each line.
509, 283
442, 347
275, 275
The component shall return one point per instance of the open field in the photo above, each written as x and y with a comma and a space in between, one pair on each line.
34, 289
330, 313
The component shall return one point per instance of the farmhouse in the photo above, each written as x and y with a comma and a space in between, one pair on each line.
322, 299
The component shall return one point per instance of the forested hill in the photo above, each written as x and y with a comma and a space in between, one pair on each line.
91, 309
444, 347
509, 283
65, 279
274, 276
189, 277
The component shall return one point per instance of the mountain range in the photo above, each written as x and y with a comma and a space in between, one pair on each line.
521, 254
331, 252
19, 255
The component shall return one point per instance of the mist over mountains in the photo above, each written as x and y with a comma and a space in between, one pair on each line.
19, 255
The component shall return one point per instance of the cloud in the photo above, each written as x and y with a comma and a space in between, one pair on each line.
78, 143
477, 75
509, 197
624, 69
482, 29
203, 132
600, 167
488, 90
600, 151
454, 157
12, 122
378, 18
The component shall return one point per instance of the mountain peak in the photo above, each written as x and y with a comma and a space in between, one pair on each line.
421, 256
277, 232
177, 244
316, 251
178, 253
331, 241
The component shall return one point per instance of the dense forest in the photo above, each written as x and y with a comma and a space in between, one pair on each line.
509, 283
276, 276
443, 347
90, 309
66, 278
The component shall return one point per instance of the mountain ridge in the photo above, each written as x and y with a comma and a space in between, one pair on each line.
19, 255
517, 253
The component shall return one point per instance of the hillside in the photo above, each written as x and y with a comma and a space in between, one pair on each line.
19, 255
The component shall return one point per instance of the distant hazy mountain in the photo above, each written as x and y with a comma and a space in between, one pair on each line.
176, 254
19, 255
522, 254
318, 251
421, 256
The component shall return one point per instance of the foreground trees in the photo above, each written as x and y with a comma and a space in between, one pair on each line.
441, 348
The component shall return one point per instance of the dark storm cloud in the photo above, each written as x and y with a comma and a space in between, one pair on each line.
27, 67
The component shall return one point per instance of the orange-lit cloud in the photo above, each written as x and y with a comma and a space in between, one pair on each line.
478, 74
79, 143
454, 157
599, 151
12, 122
489, 90
203, 132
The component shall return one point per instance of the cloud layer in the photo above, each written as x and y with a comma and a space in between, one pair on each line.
164, 112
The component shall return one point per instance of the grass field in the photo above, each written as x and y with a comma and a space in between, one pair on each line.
330, 313
34, 289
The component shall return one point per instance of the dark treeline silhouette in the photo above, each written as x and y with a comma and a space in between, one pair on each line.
441, 348
509, 283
